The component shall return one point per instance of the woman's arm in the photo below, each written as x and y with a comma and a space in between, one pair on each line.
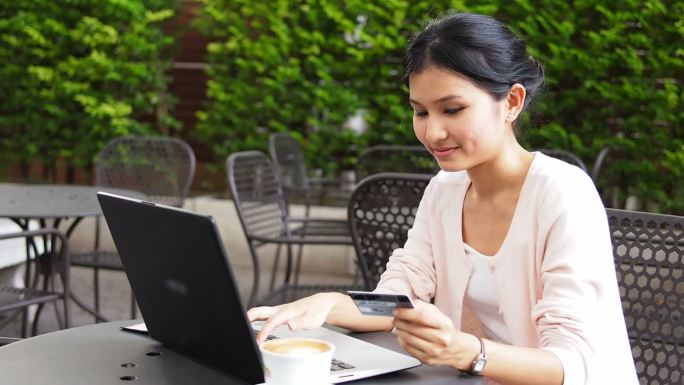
310, 312
430, 336
410, 270
346, 315
513, 365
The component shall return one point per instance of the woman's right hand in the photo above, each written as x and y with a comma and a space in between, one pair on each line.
306, 313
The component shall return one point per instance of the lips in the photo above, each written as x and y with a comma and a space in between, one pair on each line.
443, 152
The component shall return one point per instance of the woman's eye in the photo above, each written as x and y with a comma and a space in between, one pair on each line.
451, 111
420, 113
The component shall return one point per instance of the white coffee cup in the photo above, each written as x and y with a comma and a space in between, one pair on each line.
297, 361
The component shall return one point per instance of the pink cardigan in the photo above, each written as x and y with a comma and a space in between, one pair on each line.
554, 273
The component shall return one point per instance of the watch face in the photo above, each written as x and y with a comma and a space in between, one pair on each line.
479, 364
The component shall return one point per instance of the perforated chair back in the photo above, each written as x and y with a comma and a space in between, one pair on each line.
382, 209
565, 156
390, 158
649, 260
286, 153
160, 167
257, 193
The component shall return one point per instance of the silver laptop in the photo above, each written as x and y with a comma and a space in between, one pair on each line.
189, 300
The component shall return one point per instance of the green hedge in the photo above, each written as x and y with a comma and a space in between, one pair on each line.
613, 71
77, 73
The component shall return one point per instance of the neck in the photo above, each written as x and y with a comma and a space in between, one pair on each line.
504, 173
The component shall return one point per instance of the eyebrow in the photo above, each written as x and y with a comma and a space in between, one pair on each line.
442, 99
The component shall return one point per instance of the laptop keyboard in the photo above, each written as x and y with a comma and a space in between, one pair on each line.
339, 365
335, 365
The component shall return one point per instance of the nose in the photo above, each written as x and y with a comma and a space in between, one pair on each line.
435, 131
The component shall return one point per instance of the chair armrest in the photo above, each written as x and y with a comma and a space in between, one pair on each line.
8, 340
295, 240
313, 221
35, 233
64, 251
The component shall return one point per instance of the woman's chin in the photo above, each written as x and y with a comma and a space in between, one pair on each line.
450, 166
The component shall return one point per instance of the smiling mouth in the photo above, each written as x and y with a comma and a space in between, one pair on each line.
444, 151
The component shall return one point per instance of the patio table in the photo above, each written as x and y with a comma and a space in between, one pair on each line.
104, 354
51, 206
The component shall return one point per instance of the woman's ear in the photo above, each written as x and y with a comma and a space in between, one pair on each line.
515, 101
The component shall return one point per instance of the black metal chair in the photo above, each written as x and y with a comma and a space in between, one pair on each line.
600, 160
39, 289
286, 153
649, 259
261, 205
382, 209
565, 156
391, 158
160, 167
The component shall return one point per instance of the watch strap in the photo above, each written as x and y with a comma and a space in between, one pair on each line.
480, 359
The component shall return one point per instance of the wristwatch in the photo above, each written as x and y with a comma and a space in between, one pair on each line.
480, 360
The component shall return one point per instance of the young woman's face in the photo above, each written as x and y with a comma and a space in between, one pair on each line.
460, 124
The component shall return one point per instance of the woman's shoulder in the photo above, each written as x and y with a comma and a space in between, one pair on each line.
444, 186
558, 184
552, 173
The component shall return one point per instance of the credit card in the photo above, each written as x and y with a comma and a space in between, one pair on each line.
370, 303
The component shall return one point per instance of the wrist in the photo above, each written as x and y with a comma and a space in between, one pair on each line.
470, 353
333, 301
480, 360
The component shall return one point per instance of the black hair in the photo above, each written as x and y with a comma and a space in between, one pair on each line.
480, 48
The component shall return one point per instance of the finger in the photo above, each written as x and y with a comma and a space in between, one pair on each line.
439, 336
420, 308
276, 320
421, 316
425, 355
261, 313
415, 353
418, 321
416, 343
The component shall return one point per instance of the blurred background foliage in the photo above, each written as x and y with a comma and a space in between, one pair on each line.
614, 78
75, 73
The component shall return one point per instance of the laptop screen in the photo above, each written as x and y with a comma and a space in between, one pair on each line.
182, 281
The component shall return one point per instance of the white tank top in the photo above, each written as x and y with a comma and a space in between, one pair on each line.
481, 297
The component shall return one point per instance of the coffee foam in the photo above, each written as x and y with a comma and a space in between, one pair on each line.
296, 347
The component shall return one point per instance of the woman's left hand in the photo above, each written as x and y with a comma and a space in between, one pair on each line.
430, 336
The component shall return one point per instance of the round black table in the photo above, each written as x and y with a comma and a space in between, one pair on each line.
104, 354
52, 205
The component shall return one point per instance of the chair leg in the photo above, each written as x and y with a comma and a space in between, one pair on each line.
276, 262
134, 312
298, 265
58, 315
301, 245
255, 283
24, 322
288, 266
39, 310
36, 318
96, 291
96, 271
66, 291
67, 312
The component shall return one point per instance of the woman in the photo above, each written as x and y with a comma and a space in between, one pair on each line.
519, 238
